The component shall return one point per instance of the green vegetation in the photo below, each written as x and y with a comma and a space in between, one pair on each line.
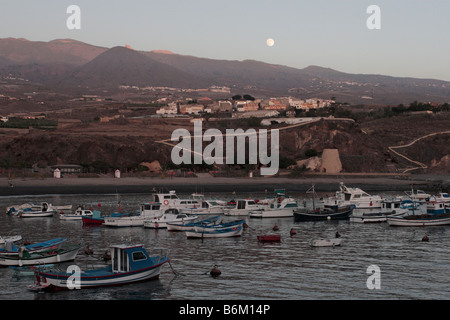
26, 123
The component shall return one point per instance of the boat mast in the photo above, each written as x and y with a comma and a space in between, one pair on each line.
313, 196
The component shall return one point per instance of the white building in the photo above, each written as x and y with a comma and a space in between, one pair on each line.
171, 108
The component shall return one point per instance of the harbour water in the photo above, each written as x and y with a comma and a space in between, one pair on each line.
289, 270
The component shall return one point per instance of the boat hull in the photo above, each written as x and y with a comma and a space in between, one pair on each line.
269, 238
200, 233
92, 221
124, 222
38, 214
55, 282
420, 220
376, 217
38, 258
325, 242
162, 223
273, 213
341, 214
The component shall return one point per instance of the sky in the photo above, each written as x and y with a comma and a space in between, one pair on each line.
413, 39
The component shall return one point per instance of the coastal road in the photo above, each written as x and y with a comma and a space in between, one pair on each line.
420, 164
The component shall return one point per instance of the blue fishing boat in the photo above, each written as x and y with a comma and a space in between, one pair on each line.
191, 225
437, 214
129, 264
11, 249
225, 230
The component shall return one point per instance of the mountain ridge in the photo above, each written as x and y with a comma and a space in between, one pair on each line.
68, 62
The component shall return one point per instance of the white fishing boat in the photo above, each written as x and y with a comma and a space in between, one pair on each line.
441, 197
135, 219
353, 196
325, 242
9, 239
231, 229
171, 200
77, 215
206, 207
419, 195
388, 208
169, 216
278, 208
61, 254
43, 210
243, 207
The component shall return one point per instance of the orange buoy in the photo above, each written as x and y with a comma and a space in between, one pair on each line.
292, 232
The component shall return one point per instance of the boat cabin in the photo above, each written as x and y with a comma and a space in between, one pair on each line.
388, 205
126, 258
437, 208
246, 204
151, 209
165, 198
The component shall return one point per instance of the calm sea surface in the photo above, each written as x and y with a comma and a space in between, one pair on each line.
410, 268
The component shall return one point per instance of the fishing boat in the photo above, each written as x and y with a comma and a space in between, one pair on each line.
324, 214
330, 213
325, 242
146, 211
243, 207
441, 197
169, 216
129, 264
13, 210
190, 226
224, 225
388, 207
9, 239
280, 207
77, 215
94, 220
269, 238
30, 270
437, 214
44, 210
352, 196
171, 200
206, 207
11, 249
409, 204
232, 229
419, 195
61, 254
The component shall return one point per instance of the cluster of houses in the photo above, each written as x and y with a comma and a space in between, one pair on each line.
241, 107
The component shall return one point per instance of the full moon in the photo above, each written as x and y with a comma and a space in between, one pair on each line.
270, 42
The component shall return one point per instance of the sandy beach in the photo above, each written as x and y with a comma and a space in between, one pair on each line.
369, 183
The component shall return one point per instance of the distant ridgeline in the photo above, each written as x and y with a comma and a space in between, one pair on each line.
27, 123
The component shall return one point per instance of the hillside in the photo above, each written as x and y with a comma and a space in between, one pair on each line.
123, 66
68, 63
